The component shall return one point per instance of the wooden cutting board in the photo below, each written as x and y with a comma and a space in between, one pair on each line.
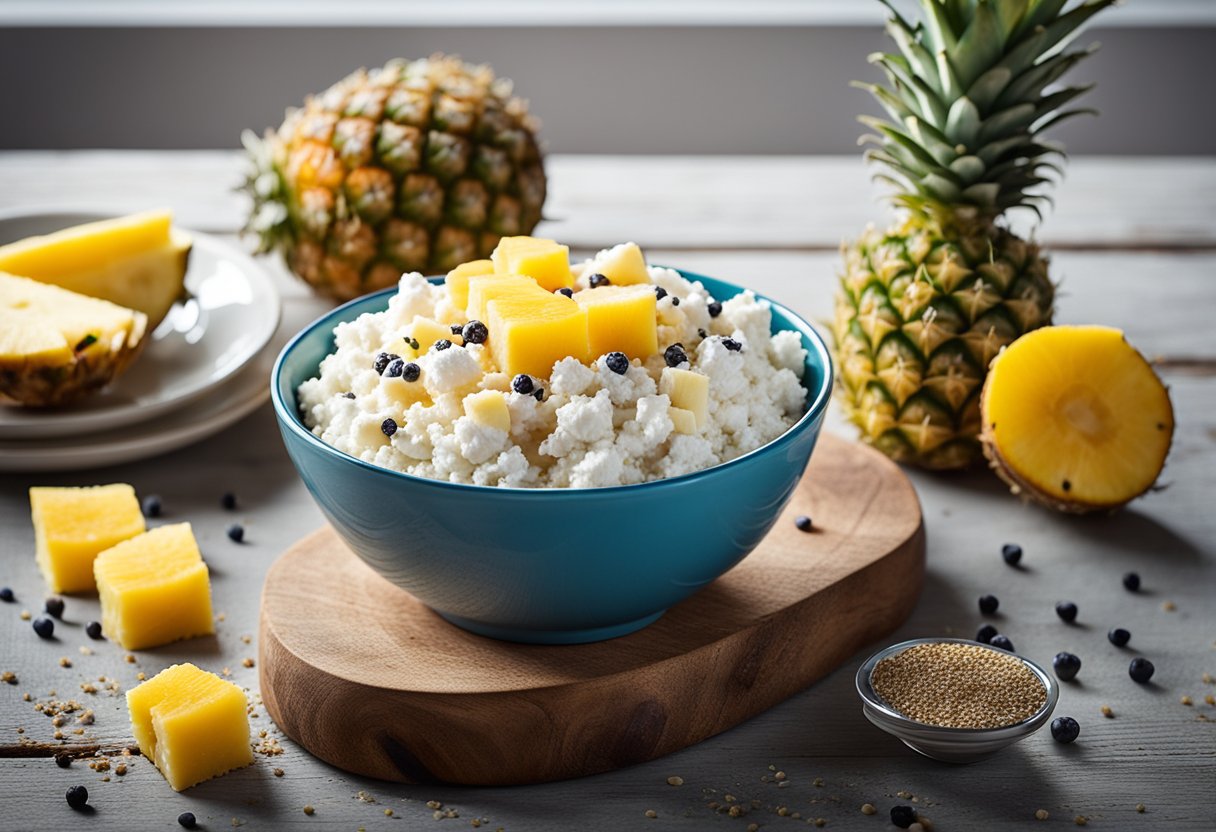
368, 679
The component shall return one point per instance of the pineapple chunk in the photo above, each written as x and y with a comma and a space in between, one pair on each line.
191, 724
457, 281
623, 265
426, 332
56, 345
544, 261
73, 525
684, 421
137, 261
687, 391
530, 334
621, 318
154, 589
485, 288
489, 408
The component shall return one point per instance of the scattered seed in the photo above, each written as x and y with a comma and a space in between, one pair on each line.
868, 809
675, 780
1107, 712
1169, 606
651, 813
566, 291
25, 615
1081, 820
1210, 699
247, 662
1140, 807
278, 772
308, 809
659, 293
1041, 814
732, 345
539, 394
1186, 700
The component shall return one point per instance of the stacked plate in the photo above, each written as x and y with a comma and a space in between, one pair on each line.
206, 366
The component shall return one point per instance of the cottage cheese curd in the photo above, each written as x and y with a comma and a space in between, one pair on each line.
589, 427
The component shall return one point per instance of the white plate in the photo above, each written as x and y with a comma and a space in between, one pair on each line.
236, 399
230, 315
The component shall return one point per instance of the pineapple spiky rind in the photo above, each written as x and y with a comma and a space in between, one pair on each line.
416, 166
924, 306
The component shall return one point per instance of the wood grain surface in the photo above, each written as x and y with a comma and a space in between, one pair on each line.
415, 699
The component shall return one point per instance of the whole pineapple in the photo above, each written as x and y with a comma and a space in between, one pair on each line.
925, 306
417, 166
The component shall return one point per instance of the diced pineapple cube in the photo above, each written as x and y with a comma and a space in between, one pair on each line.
426, 332
496, 381
623, 265
404, 393
485, 288
489, 408
530, 334
687, 391
457, 281
403, 348
154, 589
544, 261
73, 525
621, 318
684, 421
191, 724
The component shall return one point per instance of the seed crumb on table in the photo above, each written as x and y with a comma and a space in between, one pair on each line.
1140, 807
868, 809
651, 813
675, 780
1081, 820
308, 809
247, 662
1107, 712
1041, 814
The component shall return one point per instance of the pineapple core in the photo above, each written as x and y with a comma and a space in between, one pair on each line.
73, 525
1075, 415
191, 724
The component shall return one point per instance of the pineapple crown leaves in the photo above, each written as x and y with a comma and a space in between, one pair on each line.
264, 185
967, 99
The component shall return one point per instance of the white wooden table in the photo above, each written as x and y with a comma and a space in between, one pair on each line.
1135, 244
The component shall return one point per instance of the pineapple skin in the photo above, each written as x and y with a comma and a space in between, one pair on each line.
921, 311
86, 373
417, 166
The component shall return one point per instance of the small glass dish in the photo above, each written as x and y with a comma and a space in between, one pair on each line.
951, 745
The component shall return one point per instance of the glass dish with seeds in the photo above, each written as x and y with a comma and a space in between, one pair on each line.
955, 700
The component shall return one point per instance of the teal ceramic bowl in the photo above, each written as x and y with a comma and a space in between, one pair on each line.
549, 566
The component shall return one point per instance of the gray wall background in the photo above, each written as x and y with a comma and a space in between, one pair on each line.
597, 89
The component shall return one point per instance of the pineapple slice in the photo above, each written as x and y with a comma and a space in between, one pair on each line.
545, 261
56, 345
687, 391
137, 261
529, 334
1075, 418
682, 421
485, 288
623, 265
457, 281
621, 318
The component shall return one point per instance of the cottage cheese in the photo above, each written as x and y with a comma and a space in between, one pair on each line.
593, 428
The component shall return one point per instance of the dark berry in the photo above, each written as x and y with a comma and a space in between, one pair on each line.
1012, 553
1141, 670
568, 292
985, 634
63, 759
151, 506
539, 395
522, 384
441, 345
394, 369
659, 292
382, 361
617, 362
1001, 642
44, 627
674, 355
988, 604
412, 341
1067, 611
903, 816
236, 532
78, 796
348, 395
702, 333
475, 332
411, 371
1066, 666
456, 328
6, 595
187, 820
803, 523
228, 501
388, 427
1119, 637
1131, 582
715, 309
731, 344
675, 301
93, 630
597, 280
54, 606
1065, 729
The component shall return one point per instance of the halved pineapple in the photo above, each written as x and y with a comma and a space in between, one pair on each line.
56, 345
1075, 418
138, 261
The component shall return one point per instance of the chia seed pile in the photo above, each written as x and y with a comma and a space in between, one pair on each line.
959, 686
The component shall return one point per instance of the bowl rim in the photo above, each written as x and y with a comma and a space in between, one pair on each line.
871, 699
288, 417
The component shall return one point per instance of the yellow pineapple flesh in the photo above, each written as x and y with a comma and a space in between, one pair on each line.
1075, 418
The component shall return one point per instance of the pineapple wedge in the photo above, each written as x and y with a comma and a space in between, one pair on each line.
56, 345
138, 261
